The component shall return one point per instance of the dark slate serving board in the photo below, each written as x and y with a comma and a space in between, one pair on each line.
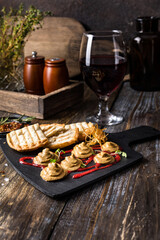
69, 185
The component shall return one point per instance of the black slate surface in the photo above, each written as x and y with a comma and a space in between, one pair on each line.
69, 185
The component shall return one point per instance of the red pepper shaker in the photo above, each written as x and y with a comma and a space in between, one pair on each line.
33, 74
55, 74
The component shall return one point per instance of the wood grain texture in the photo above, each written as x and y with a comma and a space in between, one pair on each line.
42, 107
123, 206
58, 37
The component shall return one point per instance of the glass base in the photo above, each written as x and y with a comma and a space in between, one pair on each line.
105, 120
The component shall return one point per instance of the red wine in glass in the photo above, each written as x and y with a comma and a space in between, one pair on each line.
103, 66
103, 75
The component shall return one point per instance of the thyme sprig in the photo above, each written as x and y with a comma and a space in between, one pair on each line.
3, 120
15, 26
21, 119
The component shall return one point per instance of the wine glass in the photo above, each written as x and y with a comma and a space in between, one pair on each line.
103, 66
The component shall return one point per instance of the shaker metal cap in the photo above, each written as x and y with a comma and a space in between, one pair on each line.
34, 54
34, 59
55, 61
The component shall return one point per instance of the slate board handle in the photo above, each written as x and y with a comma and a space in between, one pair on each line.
137, 134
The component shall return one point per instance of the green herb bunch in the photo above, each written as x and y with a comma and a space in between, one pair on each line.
15, 25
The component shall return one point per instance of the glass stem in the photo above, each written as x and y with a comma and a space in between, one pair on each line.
102, 108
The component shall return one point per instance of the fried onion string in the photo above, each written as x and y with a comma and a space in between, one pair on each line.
95, 135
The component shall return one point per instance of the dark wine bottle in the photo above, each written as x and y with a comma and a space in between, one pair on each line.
144, 55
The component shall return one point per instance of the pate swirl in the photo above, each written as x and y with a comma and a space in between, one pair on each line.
110, 147
71, 163
44, 157
53, 172
82, 150
103, 158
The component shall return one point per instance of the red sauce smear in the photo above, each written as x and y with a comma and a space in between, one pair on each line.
24, 159
90, 159
95, 167
90, 171
86, 170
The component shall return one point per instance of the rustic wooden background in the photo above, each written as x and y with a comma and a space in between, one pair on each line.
116, 14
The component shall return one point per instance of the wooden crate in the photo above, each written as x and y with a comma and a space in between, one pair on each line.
44, 106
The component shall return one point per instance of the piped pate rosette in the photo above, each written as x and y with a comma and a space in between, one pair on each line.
71, 163
82, 150
53, 172
110, 147
44, 157
104, 158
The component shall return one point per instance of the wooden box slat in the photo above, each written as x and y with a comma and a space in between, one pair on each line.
62, 99
44, 106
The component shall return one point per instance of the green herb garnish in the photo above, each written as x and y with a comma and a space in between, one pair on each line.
83, 165
3, 120
58, 151
124, 154
53, 160
21, 119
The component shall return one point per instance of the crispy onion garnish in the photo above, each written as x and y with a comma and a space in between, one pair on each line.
94, 135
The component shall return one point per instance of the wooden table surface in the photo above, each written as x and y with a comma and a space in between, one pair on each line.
124, 206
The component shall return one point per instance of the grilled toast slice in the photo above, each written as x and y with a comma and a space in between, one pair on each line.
81, 126
65, 138
52, 129
27, 139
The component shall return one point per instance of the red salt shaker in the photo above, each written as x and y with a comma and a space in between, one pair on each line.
33, 74
55, 74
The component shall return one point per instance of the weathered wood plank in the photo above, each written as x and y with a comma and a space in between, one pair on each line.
15, 102
61, 99
124, 206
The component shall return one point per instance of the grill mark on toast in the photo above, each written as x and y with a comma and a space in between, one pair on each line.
52, 129
29, 130
20, 133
